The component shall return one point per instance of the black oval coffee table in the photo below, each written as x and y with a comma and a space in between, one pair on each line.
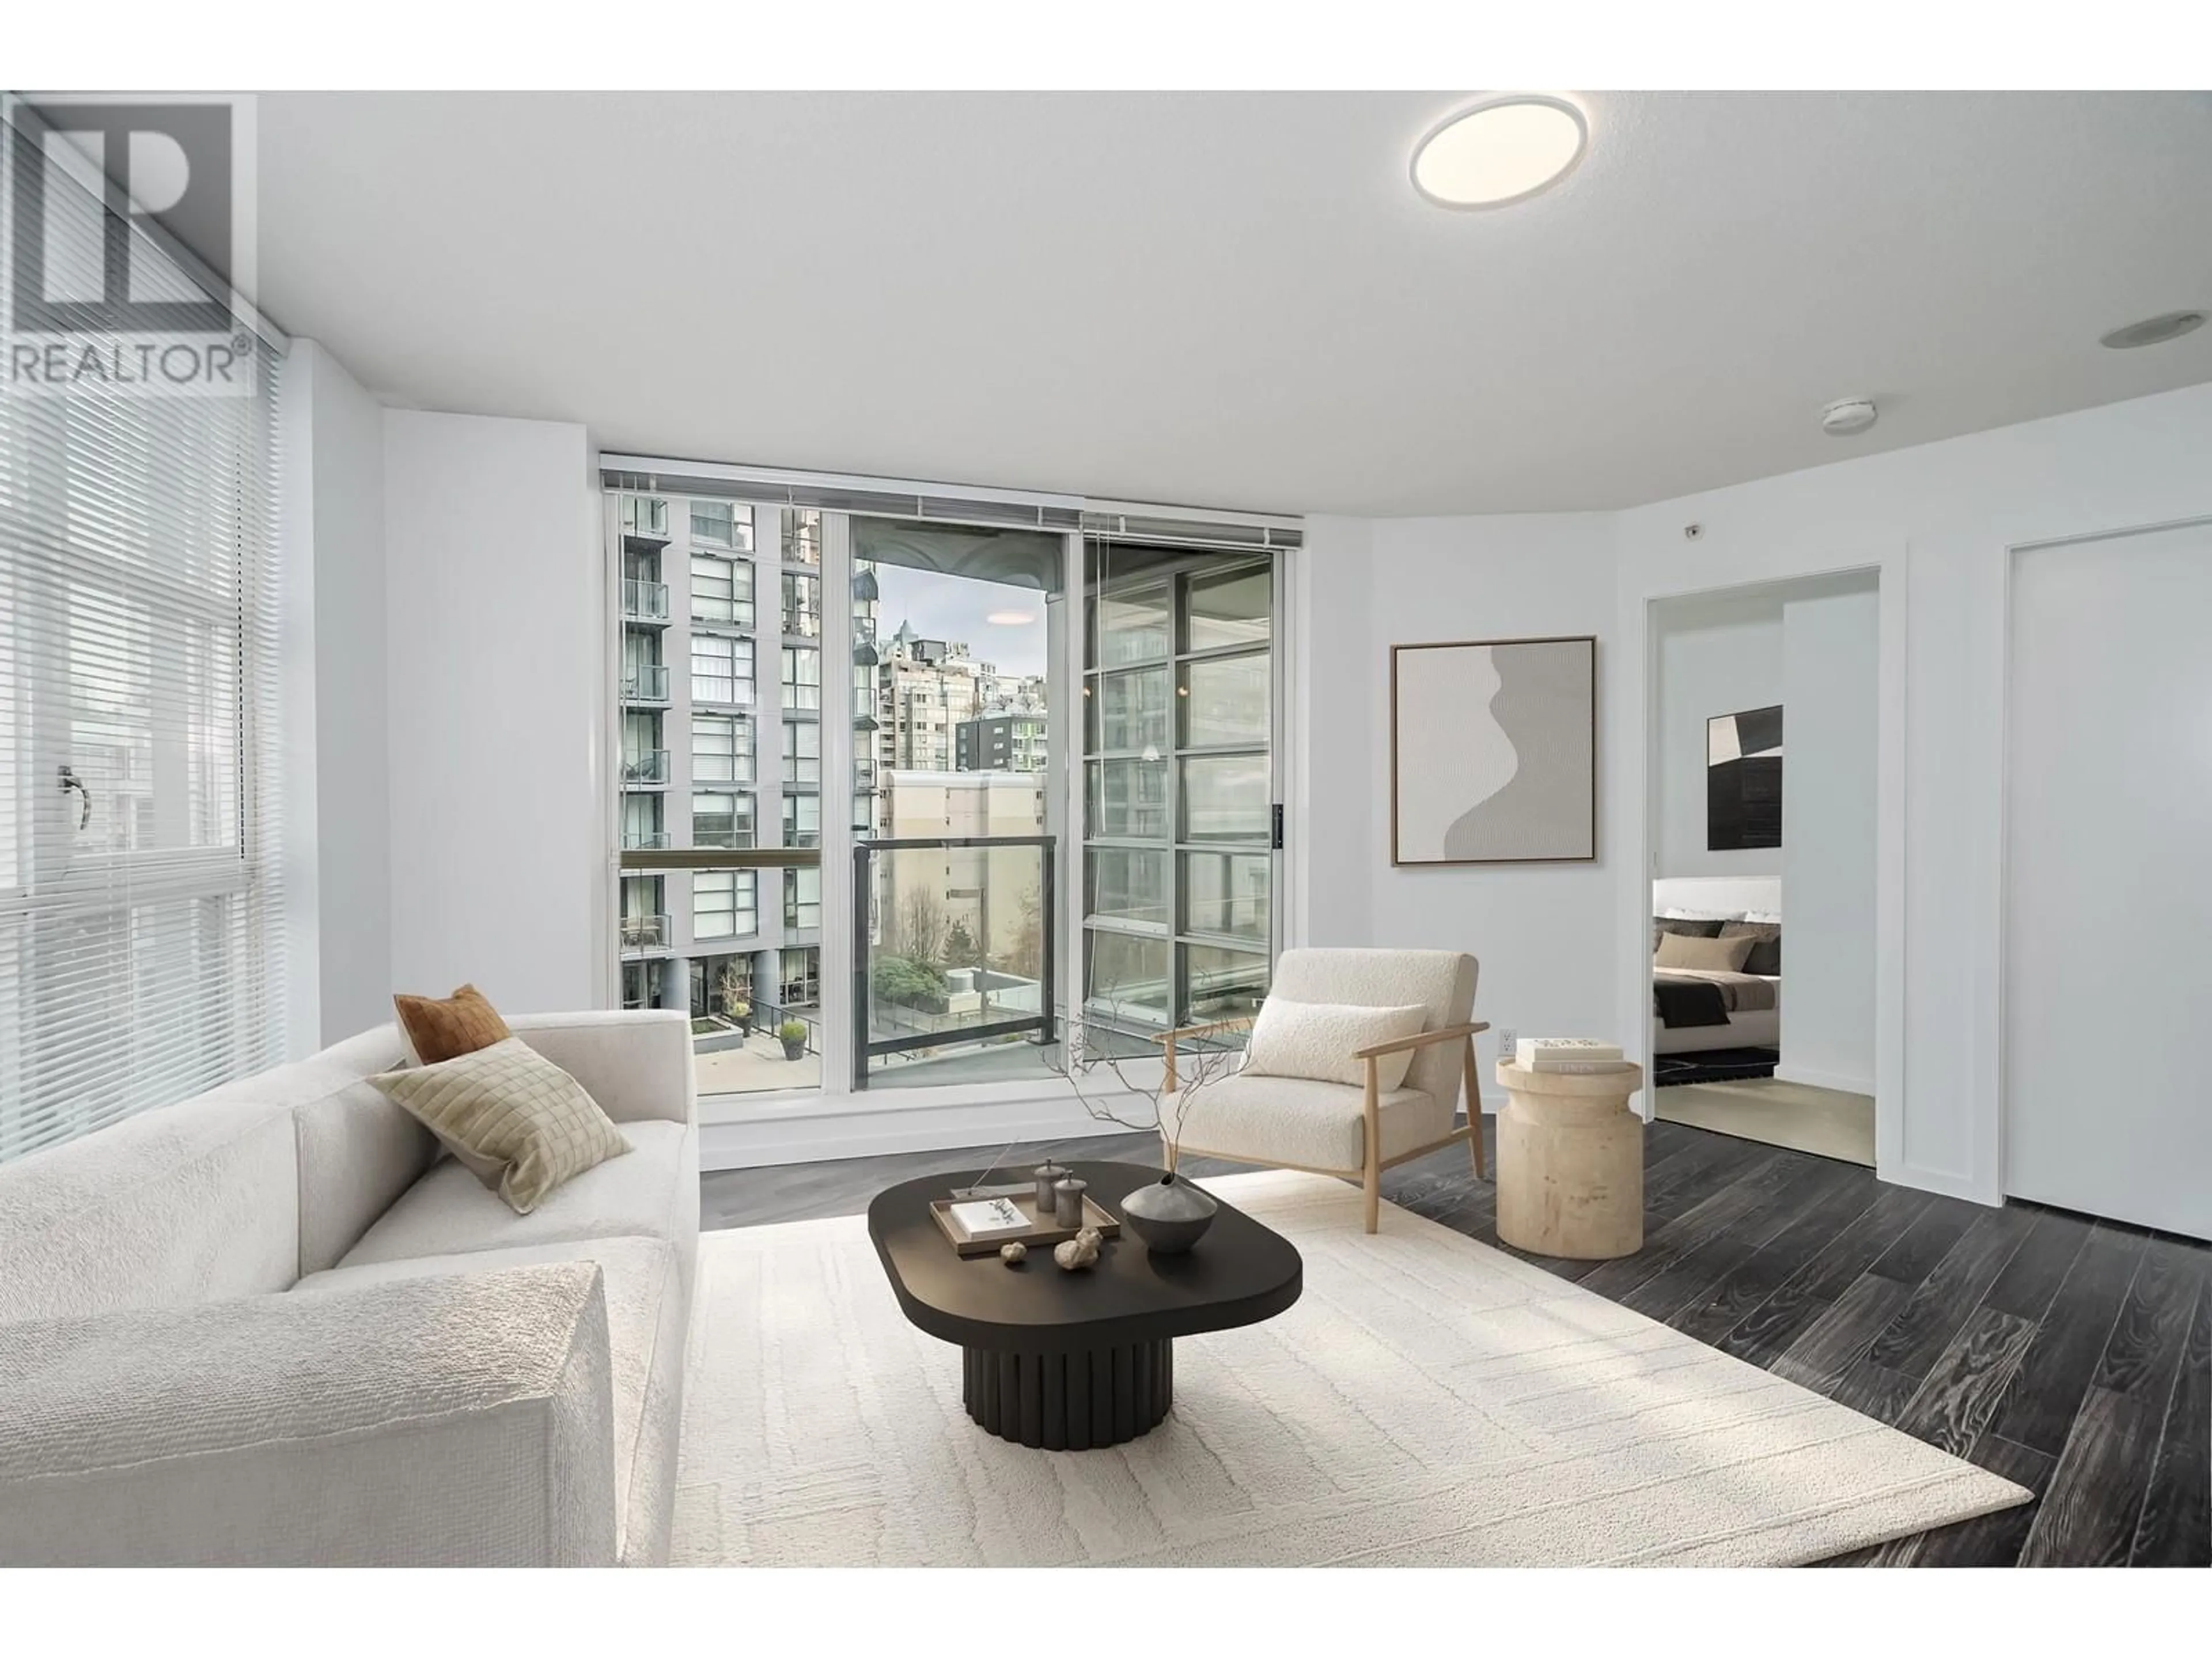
1069, 1361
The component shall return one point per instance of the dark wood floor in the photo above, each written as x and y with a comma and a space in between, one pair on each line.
2074, 1357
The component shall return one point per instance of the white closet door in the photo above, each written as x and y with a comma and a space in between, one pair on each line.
2108, 945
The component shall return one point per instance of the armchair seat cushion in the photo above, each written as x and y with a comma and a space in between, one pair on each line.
1298, 1120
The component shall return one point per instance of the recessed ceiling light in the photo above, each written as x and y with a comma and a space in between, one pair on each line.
1502, 151
2153, 330
1011, 618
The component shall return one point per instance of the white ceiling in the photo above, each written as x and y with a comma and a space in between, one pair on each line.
1237, 301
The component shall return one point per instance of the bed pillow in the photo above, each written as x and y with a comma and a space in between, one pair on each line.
1695, 927
1318, 1039
1765, 955
1709, 955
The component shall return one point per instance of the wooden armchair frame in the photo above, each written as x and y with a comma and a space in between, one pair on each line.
1368, 1175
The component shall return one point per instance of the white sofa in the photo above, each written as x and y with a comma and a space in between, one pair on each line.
272, 1325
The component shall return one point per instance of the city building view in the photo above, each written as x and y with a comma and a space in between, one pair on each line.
950, 747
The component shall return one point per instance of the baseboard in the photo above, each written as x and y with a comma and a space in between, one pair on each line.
1785, 1073
1940, 1182
872, 1131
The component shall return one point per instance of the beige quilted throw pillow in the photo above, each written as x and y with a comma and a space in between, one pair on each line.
520, 1124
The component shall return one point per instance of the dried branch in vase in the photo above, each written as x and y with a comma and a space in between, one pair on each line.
1104, 1083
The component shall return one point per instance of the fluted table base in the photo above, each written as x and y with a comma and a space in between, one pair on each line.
1070, 1402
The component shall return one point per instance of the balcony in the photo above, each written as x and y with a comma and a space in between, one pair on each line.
642, 935
646, 769
955, 938
802, 622
645, 682
636, 838
644, 601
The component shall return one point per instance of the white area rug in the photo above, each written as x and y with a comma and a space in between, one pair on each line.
1428, 1402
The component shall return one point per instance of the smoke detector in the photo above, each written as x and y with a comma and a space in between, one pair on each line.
1847, 416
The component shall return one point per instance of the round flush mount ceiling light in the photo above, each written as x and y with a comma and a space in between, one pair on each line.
2153, 330
1502, 150
1847, 416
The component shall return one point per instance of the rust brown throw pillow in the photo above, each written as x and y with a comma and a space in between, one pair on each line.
442, 1028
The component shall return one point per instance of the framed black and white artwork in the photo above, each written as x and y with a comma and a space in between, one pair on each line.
1743, 780
1493, 752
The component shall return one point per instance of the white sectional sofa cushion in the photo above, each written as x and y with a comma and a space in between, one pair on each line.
298, 1429
265, 1326
646, 1331
448, 1210
173, 1207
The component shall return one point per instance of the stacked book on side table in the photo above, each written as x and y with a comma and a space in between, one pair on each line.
1579, 1055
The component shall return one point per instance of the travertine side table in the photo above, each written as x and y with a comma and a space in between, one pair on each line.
1570, 1162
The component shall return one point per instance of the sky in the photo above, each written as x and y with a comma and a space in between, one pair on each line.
958, 609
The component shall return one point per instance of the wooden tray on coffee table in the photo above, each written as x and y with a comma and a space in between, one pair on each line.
1046, 1232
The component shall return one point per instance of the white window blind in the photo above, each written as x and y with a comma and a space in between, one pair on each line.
138, 821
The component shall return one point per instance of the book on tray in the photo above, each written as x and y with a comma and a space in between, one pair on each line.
990, 1218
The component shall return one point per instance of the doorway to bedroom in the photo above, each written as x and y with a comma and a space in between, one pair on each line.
1763, 779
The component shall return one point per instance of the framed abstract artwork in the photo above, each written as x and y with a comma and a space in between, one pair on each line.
1493, 752
1743, 780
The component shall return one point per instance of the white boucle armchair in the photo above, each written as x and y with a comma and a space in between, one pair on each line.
1336, 1128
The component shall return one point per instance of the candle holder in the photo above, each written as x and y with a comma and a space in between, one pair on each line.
1068, 1202
1049, 1176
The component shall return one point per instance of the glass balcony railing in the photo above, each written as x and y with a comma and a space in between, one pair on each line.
642, 933
644, 601
802, 619
955, 938
645, 682
637, 838
645, 768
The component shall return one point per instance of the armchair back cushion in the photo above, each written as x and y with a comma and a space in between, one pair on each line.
1318, 1040
1441, 982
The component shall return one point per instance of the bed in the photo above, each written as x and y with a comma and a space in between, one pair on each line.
1695, 1011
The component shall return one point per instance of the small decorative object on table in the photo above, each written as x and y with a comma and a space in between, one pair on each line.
1049, 1175
1068, 1202
1013, 1252
1170, 1215
975, 1224
1079, 1252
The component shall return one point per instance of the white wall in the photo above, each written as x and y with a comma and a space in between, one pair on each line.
496, 660
1831, 775
1714, 658
337, 804
1937, 521
1539, 930
1332, 830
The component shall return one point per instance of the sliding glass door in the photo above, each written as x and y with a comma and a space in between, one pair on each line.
899, 798
1181, 824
